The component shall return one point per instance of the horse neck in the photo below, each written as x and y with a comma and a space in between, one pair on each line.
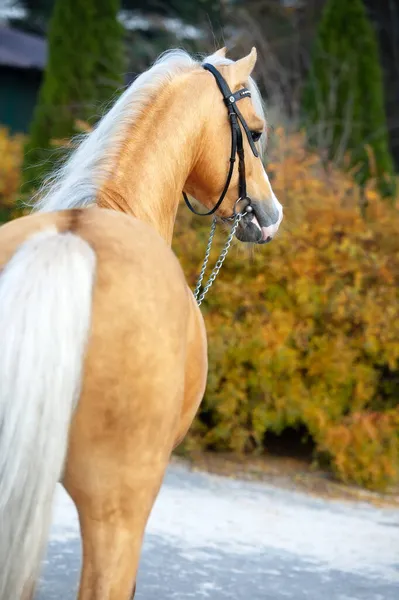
159, 152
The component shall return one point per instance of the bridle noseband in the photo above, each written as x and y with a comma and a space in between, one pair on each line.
237, 146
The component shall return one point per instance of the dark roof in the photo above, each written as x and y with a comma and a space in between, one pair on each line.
22, 50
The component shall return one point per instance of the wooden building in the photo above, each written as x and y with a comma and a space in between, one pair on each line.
22, 62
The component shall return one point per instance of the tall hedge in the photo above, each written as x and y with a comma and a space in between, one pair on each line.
343, 102
84, 67
304, 333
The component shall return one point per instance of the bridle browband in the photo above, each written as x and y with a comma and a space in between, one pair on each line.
237, 146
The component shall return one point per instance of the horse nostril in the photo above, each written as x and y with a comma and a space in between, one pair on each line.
268, 239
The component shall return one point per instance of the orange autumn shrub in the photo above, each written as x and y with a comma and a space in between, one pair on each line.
12, 198
305, 331
11, 151
365, 446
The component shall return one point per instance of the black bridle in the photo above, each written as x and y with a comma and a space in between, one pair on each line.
237, 146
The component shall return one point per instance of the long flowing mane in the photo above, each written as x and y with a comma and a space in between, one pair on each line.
76, 183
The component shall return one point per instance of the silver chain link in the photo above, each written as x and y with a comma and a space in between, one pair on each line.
198, 295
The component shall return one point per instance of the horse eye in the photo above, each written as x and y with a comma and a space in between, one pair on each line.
256, 135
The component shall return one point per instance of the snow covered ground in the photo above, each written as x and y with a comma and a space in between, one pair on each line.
217, 538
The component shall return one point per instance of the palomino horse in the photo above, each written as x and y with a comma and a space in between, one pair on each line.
103, 348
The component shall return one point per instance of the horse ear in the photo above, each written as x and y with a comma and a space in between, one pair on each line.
221, 52
242, 68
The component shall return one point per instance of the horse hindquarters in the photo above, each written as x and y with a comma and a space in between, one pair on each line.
125, 424
45, 309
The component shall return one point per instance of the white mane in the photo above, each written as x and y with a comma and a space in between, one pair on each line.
77, 182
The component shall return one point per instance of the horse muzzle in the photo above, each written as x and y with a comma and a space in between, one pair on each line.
260, 225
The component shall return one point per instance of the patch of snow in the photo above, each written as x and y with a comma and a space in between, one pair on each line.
205, 514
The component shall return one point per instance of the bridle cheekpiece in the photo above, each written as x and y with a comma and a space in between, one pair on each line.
237, 147
237, 122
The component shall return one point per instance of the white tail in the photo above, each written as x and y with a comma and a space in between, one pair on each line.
45, 314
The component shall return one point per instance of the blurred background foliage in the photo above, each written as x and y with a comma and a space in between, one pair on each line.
303, 334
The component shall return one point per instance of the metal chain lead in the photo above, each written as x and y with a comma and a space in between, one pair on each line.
215, 271
204, 264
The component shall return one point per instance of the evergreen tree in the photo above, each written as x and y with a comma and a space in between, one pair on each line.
109, 65
343, 102
84, 67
